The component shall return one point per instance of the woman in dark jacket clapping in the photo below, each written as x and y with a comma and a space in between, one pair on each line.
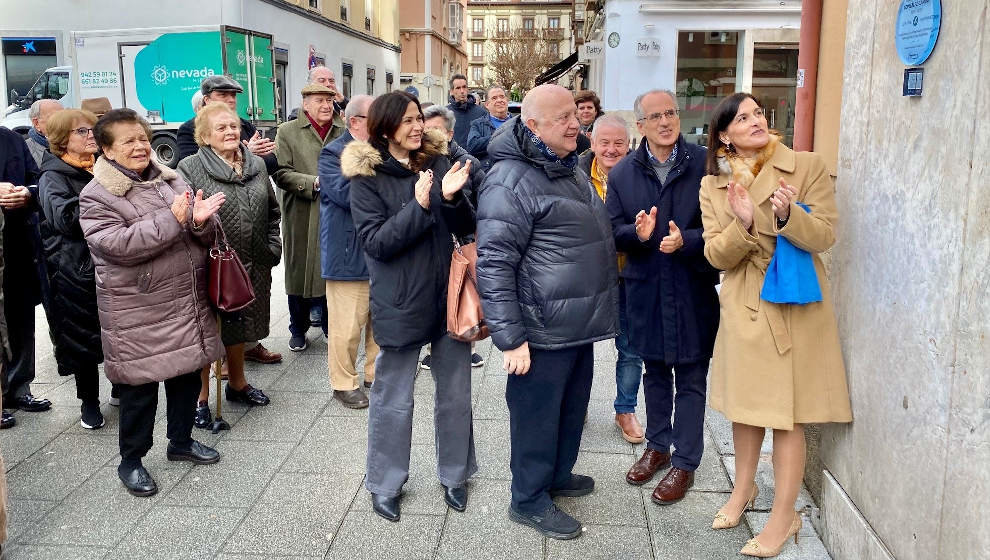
76, 332
250, 219
405, 219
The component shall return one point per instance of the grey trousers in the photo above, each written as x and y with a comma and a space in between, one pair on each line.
391, 414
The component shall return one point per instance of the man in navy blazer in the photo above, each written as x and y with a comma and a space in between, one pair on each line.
344, 268
671, 304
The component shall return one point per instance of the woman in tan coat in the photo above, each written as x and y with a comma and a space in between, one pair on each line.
775, 365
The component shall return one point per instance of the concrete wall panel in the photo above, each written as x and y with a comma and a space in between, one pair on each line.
904, 191
966, 502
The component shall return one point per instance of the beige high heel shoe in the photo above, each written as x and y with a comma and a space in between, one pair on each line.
722, 520
754, 548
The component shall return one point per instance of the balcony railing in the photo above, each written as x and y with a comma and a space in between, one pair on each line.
477, 34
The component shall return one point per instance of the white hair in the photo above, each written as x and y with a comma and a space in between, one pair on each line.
197, 101
315, 68
357, 105
638, 104
440, 111
614, 121
35, 111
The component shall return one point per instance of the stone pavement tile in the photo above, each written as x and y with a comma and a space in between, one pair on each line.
491, 399
179, 533
24, 514
710, 475
612, 503
297, 514
809, 546
491, 444
286, 418
764, 481
264, 556
683, 531
484, 531
236, 481
56, 552
366, 536
59, 467
305, 374
604, 542
99, 512
333, 445
422, 493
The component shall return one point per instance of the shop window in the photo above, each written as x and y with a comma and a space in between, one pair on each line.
706, 72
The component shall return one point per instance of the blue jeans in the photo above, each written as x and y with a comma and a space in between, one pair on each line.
629, 366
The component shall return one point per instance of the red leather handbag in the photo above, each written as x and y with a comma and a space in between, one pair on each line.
230, 286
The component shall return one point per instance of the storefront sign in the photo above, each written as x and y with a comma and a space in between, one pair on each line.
918, 23
29, 46
647, 47
592, 50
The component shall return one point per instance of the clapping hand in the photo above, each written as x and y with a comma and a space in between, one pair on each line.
259, 145
204, 209
673, 241
645, 223
740, 204
455, 179
782, 199
180, 207
423, 186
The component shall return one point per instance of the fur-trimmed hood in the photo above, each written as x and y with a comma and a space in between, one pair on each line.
361, 159
116, 183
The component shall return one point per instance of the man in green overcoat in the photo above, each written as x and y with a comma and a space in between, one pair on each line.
297, 147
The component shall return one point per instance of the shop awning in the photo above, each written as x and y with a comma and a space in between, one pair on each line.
557, 70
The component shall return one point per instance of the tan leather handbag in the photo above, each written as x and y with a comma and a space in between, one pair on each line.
465, 320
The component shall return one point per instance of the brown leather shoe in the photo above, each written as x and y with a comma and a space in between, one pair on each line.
643, 470
673, 486
632, 430
262, 355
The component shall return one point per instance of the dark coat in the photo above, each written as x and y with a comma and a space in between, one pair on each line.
76, 325
27, 278
464, 114
407, 247
186, 138
479, 135
250, 219
671, 303
341, 254
546, 258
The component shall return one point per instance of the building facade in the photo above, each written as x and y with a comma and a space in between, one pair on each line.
491, 20
357, 39
433, 46
701, 49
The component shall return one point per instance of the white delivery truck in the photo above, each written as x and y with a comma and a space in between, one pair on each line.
156, 71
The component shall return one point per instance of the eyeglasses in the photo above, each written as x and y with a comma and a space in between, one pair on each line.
82, 131
654, 117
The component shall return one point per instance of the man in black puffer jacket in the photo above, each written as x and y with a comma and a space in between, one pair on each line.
549, 287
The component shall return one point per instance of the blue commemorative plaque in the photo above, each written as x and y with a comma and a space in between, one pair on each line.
918, 23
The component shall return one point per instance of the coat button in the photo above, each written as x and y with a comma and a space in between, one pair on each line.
753, 316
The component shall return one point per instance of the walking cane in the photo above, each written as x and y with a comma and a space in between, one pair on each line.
218, 422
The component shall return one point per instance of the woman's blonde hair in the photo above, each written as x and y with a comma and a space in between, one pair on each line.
60, 126
206, 114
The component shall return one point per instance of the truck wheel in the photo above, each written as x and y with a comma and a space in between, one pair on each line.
166, 149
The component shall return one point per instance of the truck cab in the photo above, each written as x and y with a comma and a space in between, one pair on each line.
55, 83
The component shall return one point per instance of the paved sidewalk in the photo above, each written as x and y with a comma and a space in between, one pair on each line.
290, 484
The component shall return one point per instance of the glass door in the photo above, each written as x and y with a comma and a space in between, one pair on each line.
775, 85
706, 72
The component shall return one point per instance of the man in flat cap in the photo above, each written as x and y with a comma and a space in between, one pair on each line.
221, 89
298, 145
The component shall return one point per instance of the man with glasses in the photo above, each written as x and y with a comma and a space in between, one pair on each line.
671, 304
344, 268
